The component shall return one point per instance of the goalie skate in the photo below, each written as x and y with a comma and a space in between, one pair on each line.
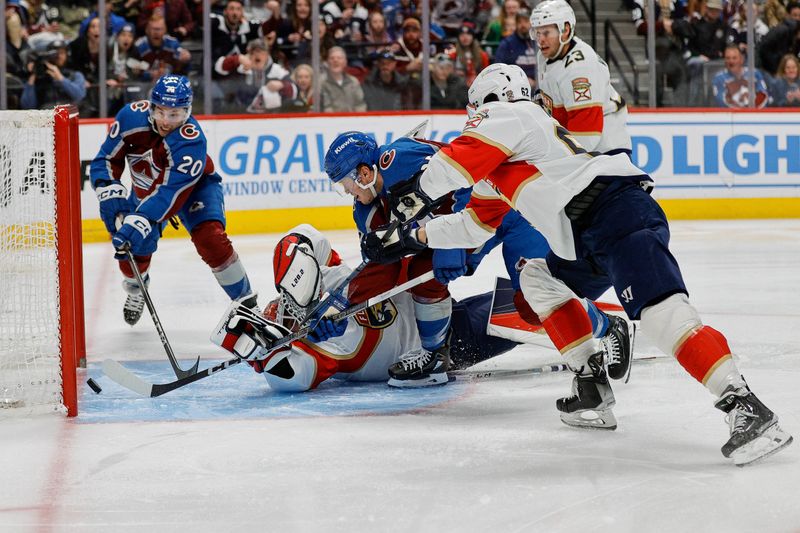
421, 368
618, 344
591, 401
754, 430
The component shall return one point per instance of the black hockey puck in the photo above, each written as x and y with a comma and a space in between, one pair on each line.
93, 385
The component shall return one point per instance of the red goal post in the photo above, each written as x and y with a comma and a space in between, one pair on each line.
42, 339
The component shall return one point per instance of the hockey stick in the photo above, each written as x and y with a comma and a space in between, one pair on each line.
505, 372
179, 372
131, 381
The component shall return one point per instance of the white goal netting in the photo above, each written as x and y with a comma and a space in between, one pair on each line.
30, 361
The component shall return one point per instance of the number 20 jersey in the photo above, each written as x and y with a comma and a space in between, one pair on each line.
164, 170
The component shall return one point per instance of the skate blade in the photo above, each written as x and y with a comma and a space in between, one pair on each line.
768, 443
429, 381
591, 419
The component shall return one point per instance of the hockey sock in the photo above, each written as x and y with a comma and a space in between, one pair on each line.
706, 356
598, 318
433, 322
568, 326
232, 278
215, 248
570, 330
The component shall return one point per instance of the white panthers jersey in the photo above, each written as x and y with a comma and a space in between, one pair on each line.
577, 91
516, 156
374, 339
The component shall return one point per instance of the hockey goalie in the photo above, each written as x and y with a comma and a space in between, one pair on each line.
360, 348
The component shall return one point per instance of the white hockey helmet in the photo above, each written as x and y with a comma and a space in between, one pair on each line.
498, 83
557, 12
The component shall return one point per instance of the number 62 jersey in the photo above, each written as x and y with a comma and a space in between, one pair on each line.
517, 157
164, 170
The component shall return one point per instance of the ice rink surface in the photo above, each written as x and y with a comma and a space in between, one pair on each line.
227, 455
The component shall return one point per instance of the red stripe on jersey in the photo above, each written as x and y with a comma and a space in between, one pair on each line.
585, 120
703, 352
511, 177
487, 212
329, 364
474, 156
560, 114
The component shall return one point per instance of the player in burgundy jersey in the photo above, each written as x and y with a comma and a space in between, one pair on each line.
171, 176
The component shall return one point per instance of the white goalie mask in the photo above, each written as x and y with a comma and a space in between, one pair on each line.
556, 12
498, 83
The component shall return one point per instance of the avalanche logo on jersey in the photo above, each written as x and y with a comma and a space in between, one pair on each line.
379, 316
387, 158
144, 171
581, 89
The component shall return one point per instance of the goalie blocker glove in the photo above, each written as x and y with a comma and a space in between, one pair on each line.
246, 334
388, 244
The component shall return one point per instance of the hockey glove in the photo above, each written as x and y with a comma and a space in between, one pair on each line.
247, 335
326, 329
449, 265
114, 201
408, 202
135, 235
379, 247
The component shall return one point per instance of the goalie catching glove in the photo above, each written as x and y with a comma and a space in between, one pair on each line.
388, 244
246, 334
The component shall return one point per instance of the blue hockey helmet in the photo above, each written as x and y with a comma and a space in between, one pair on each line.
172, 91
347, 151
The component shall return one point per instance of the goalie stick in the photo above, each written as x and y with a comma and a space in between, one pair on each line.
179, 372
131, 381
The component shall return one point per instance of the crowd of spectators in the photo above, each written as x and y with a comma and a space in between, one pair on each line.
701, 52
371, 51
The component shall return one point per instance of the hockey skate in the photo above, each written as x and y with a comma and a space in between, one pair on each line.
592, 398
618, 345
134, 303
421, 368
755, 433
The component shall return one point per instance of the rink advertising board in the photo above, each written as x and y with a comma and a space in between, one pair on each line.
707, 164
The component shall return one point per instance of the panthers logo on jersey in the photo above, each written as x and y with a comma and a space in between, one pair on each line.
379, 316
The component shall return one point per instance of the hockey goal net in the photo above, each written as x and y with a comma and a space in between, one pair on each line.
41, 274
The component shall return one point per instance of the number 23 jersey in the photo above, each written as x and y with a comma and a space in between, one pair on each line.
577, 91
